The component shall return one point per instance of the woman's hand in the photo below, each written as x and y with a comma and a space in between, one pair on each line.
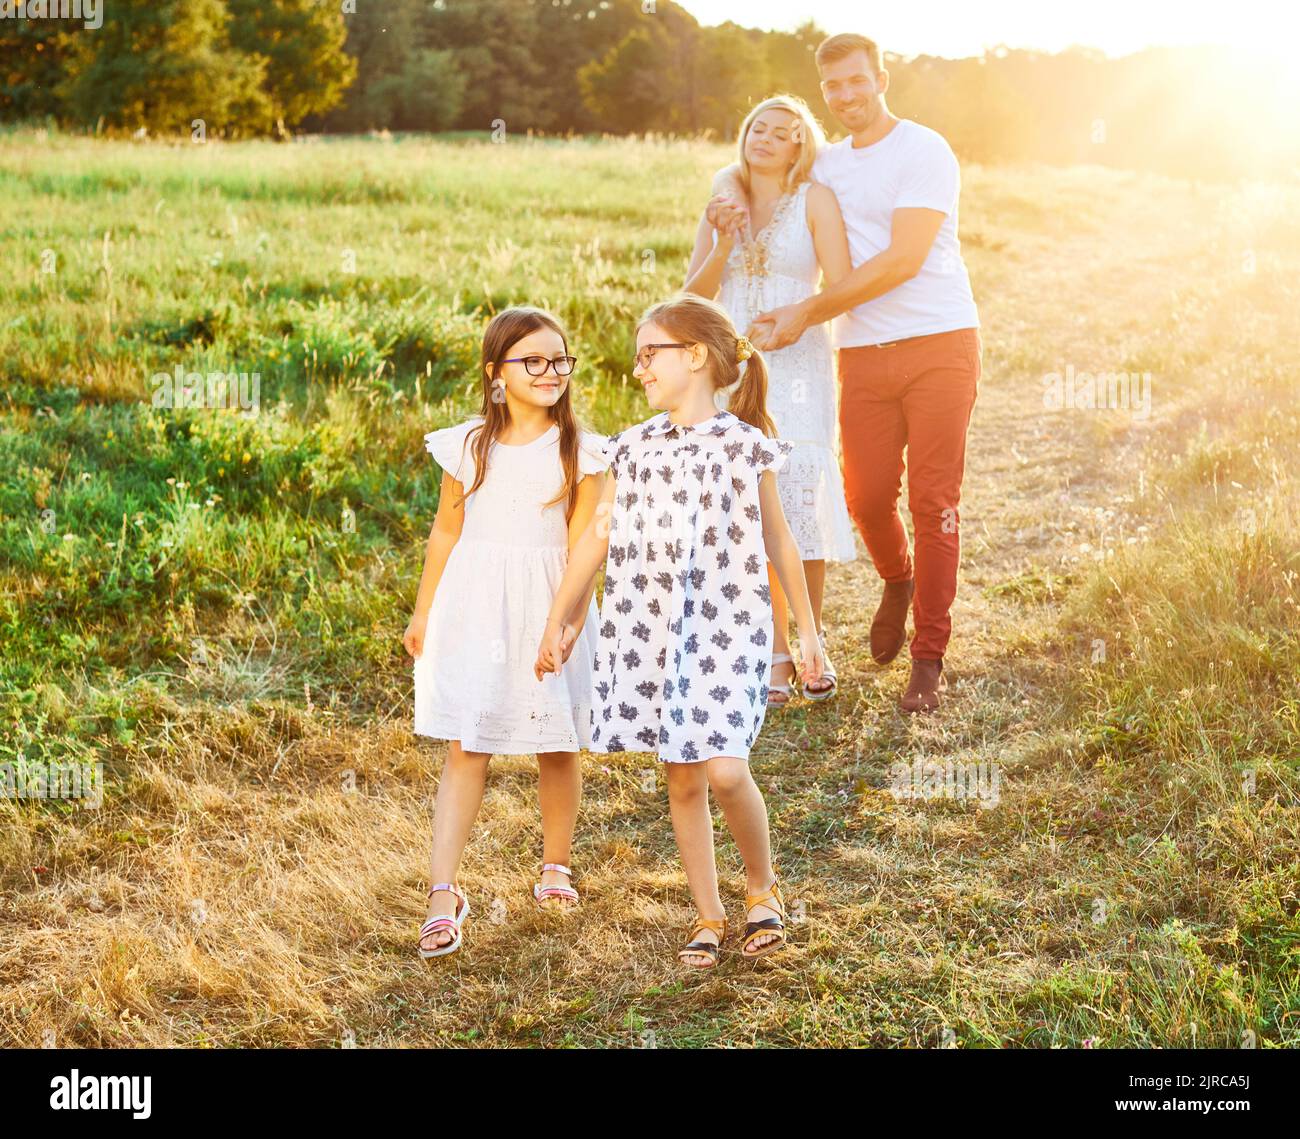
413, 638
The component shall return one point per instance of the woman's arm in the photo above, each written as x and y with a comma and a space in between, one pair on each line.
708, 261
447, 526
783, 553
829, 238
585, 557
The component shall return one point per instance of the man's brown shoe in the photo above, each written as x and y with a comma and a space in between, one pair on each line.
923, 689
889, 627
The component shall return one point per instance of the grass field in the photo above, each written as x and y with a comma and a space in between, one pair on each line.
211, 605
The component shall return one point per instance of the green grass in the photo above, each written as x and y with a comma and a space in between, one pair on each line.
211, 604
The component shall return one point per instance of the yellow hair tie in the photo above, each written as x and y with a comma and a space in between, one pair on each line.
744, 349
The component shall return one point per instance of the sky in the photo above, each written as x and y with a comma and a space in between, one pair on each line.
964, 27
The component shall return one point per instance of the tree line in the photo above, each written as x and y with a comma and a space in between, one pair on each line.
246, 68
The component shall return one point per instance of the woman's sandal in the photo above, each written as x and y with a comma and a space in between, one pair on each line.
443, 921
568, 893
828, 673
756, 929
704, 948
781, 690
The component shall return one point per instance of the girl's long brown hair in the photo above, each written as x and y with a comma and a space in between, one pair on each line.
697, 320
503, 332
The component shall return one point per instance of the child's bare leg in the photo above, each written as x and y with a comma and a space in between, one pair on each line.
460, 794
559, 792
742, 803
688, 801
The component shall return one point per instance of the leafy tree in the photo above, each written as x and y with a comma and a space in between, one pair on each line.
792, 65
425, 95
34, 57
161, 64
307, 69
730, 75
496, 48
569, 34
639, 85
402, 81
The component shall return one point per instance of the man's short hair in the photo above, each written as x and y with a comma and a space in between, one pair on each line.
837, 47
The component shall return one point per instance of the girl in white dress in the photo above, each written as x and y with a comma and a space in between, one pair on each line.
520, 482
794, 236
687, 524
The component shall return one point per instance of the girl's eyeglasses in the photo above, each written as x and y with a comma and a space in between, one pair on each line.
537, 365
647, 353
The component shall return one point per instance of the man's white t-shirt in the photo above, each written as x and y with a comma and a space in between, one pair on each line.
911, 166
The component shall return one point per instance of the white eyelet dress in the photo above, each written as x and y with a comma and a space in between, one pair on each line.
474, 681
686, 618
801, 385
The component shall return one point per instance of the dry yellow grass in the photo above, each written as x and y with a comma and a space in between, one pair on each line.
257, 877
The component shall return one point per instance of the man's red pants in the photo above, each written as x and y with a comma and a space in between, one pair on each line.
914, 394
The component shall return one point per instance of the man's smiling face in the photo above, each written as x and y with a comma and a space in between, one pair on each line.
852, 90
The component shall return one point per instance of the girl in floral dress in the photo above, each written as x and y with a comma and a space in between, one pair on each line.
687, 524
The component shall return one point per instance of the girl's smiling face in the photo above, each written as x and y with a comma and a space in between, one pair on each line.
540, 391
670, 376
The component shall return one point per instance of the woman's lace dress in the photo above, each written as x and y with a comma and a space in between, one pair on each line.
801, 393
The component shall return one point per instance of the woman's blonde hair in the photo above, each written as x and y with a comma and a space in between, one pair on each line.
696, 320
810, 138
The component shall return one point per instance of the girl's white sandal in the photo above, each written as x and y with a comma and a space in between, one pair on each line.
780, 689
443, 921
541, 893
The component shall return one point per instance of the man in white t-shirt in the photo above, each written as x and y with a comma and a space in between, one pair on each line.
907, 331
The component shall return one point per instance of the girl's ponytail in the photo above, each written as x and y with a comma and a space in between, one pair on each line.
749, 400
697, 320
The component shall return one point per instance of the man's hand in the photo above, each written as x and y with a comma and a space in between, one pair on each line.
727, 215
777, 328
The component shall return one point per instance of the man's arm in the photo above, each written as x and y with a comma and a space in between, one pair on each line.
727, 181
728, 208
912, 233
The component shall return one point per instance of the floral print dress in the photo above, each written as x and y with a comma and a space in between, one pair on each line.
684, 651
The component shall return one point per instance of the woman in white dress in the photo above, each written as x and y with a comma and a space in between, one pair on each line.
794, 235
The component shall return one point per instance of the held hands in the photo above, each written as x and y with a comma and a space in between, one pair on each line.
777, 328
728, 216
556, 645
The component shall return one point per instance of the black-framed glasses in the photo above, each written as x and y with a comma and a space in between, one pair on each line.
537, 365
646, 353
